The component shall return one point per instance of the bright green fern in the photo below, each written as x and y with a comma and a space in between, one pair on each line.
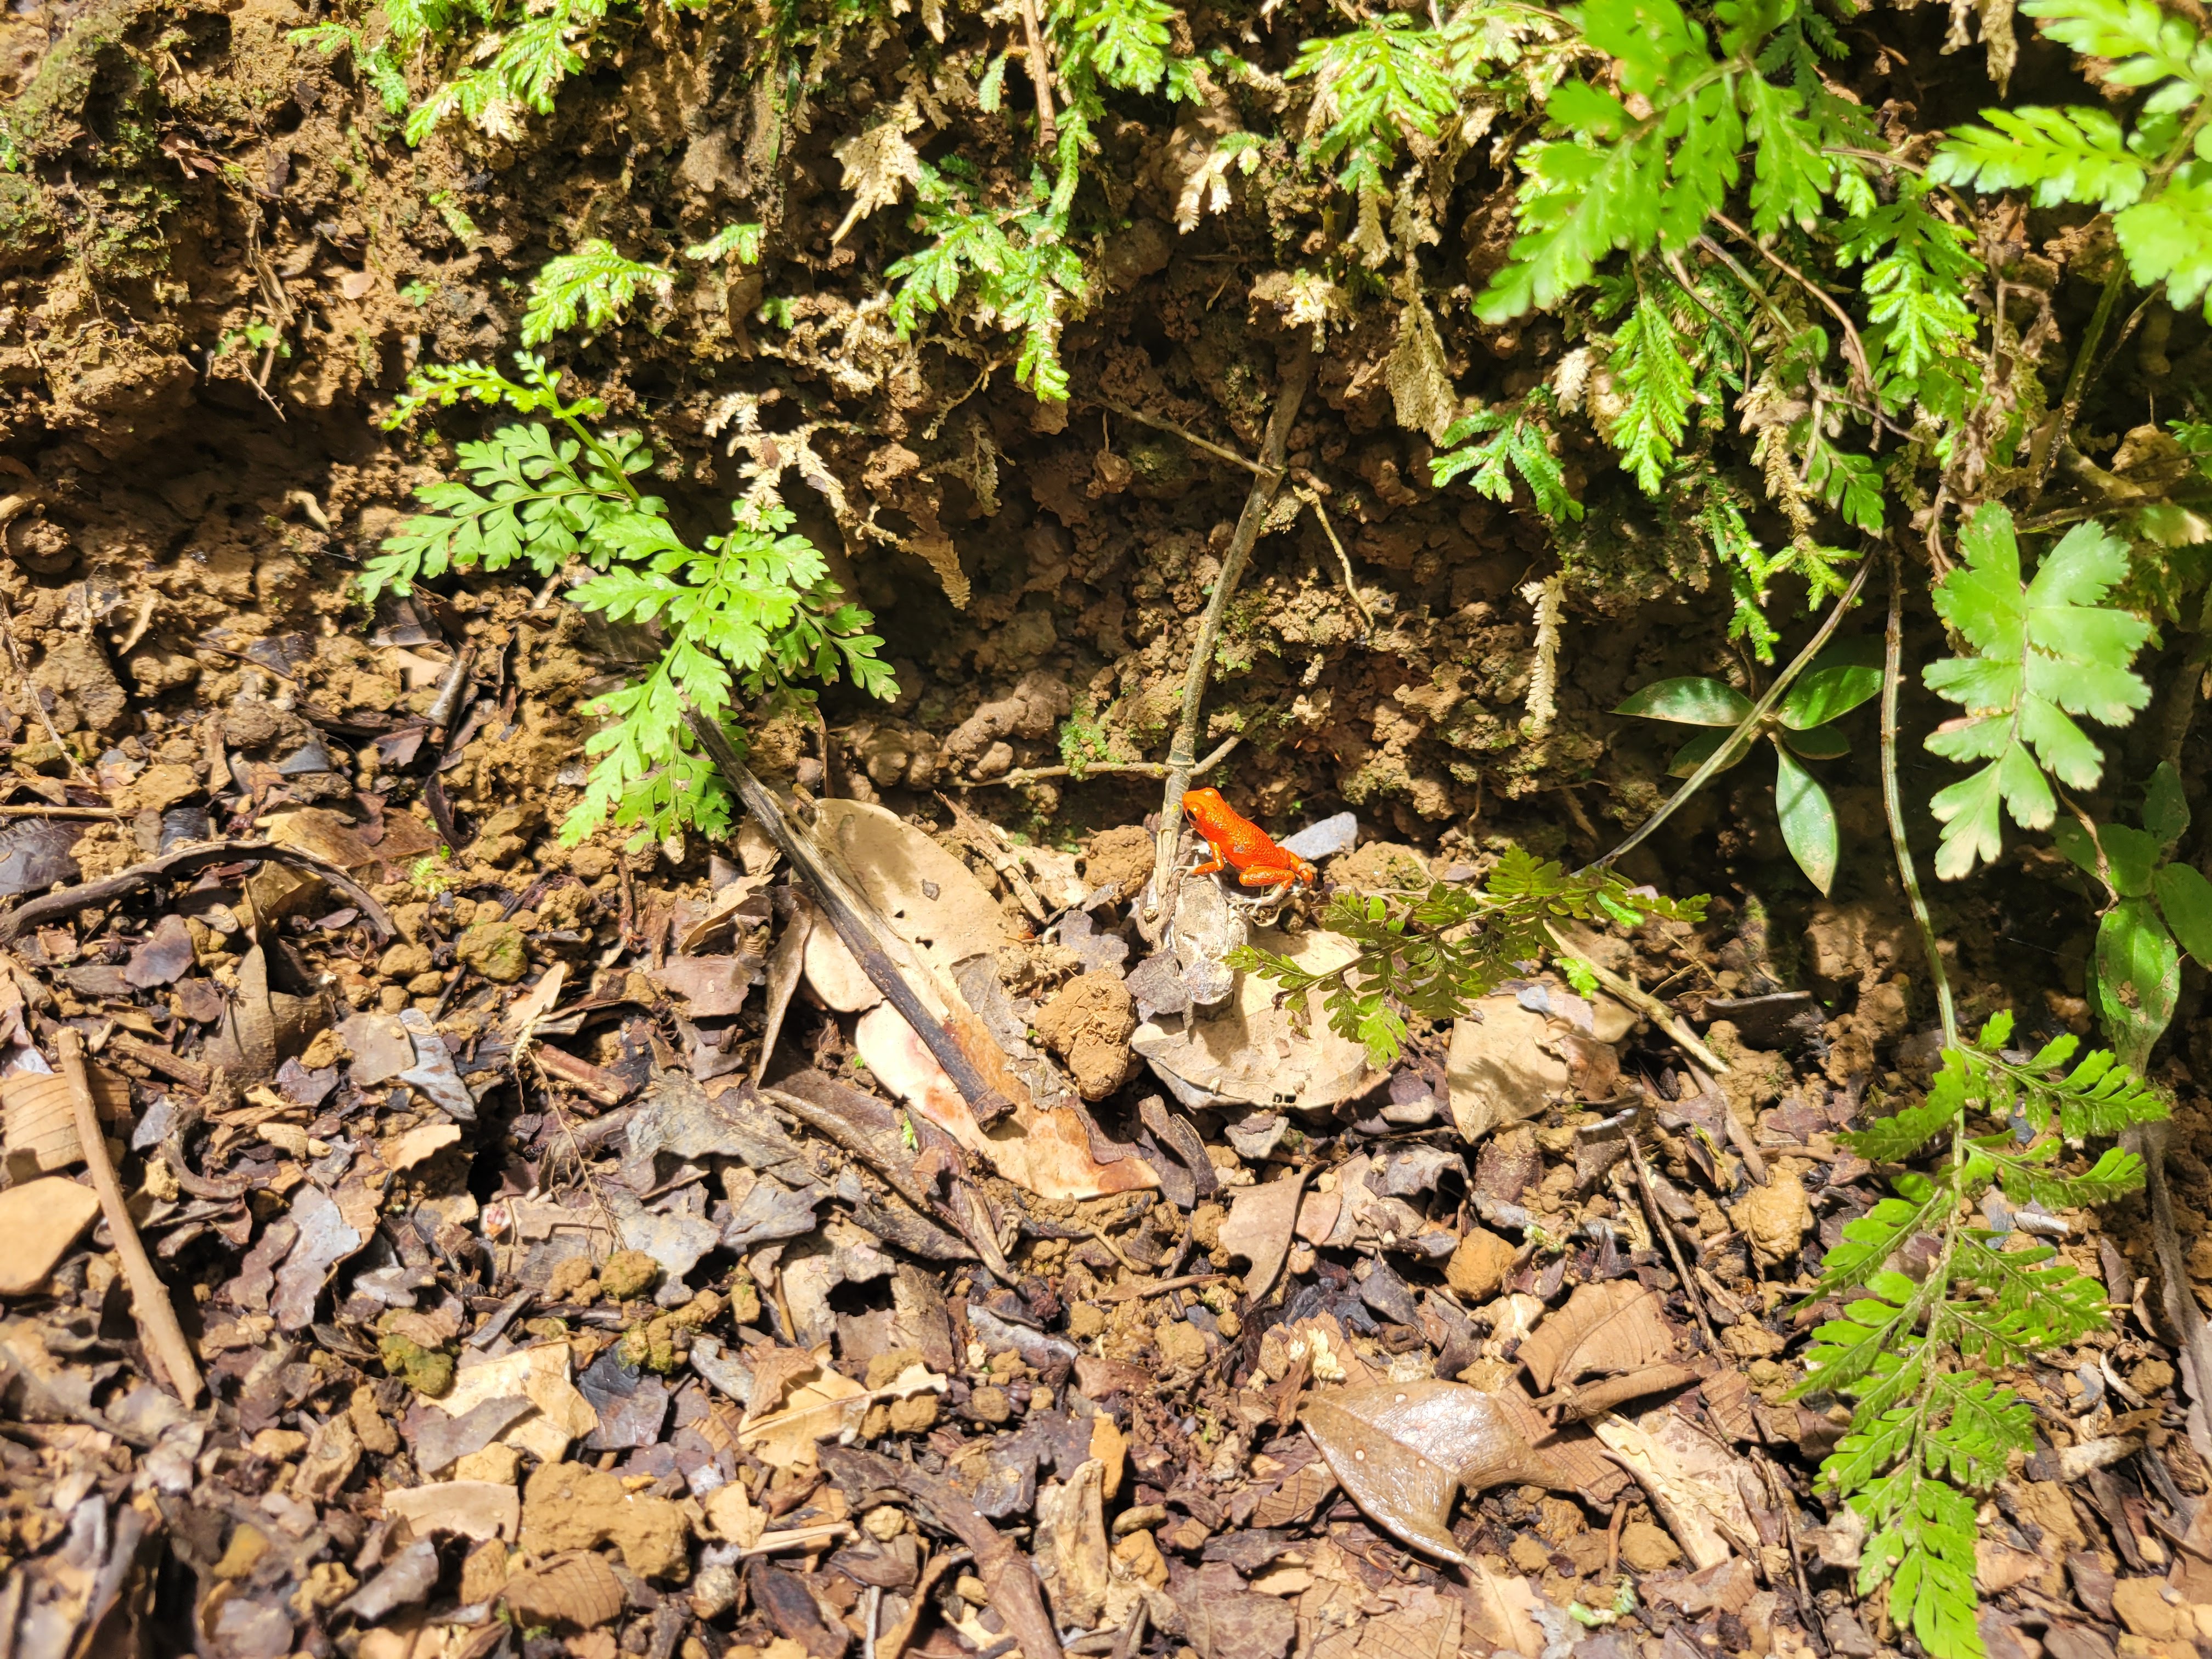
750, 614
2045, 651
591, 287
1430, 954
1914, 1351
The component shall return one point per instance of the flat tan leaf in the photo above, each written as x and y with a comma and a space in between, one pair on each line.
1693, 1481
1499, 1068
1071, 1522
578, 1589
1609, 1328
40, 1219
1501, 1609
1260, 1223
1426, 1627
879, 164
1297, 1498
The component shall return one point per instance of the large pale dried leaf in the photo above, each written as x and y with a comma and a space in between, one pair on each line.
578, 1589
1257, 1053
931, 899
879, 164
836, 977
1610, 1328
1261, 1224
560, 1414
474, 1508
1498, 1067
1047, 1151
1694, 1482
793, 1411
40, 1219
1501, 1611
1419, 375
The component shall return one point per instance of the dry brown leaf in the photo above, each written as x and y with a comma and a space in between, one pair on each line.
1501, 1608
1611, 1328
1403, 1450
541, 1376
1500, 1068
537, 1002
406, 1150
1264, 1049
1427, 1626
793, 1411
932, 899
1071, 1525
1295, 1499
879, 164
578, 1589
1693, 1481
40, 1219
1259, 1228
1046, 1151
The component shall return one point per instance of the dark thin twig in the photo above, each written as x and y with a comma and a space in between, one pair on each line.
847, 911
1296, 375
1666, 1231
1748, 730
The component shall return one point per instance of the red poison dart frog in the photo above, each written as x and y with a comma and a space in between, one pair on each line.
1243, 846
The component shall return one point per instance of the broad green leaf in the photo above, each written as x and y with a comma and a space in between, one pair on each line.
2168, 239
2138, 977
1688, 701
2044, 652
2185, 900
2067, 155
1818, 743
2166, 808
1825, 694
1808, 822
1699, 750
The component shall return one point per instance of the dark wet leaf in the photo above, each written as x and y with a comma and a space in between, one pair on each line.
163, 957
325, 1241
405, 1581
631, 1405
34, 855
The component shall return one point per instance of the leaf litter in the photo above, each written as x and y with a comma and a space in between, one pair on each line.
558, 1293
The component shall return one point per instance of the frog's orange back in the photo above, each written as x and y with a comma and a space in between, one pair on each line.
1239, 842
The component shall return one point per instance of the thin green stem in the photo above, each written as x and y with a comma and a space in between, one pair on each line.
1894, 805
2047, 447
1748, 729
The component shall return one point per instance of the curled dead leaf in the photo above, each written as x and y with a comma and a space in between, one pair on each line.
578, 1589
